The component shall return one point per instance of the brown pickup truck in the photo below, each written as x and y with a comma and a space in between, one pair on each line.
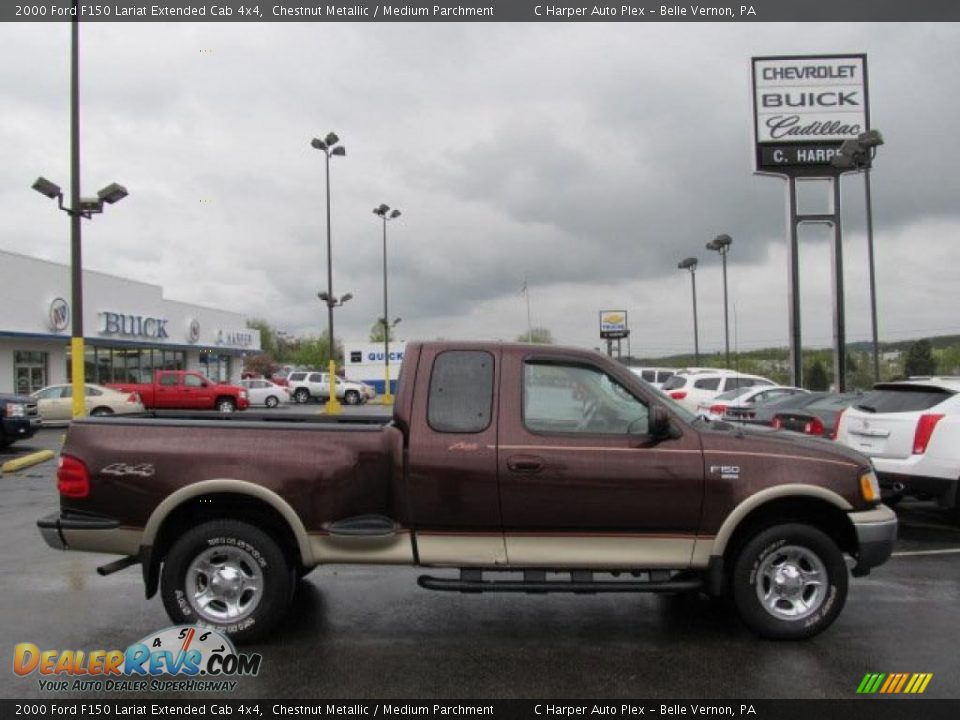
556, 463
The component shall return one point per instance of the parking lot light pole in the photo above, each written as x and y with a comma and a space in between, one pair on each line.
690, 264
333, 406
329, 146
858, 154
385, 213
721, 244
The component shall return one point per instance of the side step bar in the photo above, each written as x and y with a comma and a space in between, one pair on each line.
581, 581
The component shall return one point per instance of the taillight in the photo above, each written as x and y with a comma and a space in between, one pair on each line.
777, 423
678, 394
718, 409
836, 425
73, 479
813, 427
133, 398
925, 426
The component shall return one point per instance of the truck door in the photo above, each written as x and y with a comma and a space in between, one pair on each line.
582, 483
167, 391
197, 393
452, 458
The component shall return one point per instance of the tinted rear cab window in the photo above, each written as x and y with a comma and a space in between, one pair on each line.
461, 391
910, 398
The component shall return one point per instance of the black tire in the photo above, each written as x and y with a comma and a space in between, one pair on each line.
272, 401
101, 412
226, 405
252, 554
795, 554
351, 397
302, 395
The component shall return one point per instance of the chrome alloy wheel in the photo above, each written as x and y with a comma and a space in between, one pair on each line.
224, 584
791, 583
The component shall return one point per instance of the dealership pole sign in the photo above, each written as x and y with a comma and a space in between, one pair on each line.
613, 325
804, 107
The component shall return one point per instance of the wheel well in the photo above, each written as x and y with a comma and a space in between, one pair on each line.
102, 408
225, 397
810, 511
220, 506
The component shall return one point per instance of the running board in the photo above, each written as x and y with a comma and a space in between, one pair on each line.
581, 581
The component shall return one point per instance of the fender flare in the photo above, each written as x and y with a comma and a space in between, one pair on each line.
236, 487
761, 498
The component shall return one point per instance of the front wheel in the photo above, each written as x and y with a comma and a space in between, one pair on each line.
789, 582
227, 575
226, 405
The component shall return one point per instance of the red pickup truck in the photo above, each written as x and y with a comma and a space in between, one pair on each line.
185, 390
555, 463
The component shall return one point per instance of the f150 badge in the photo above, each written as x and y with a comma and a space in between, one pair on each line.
726, 472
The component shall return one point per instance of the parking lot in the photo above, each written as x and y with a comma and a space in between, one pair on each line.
372, 632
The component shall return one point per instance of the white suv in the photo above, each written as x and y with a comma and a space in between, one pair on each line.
910, 430
694, 386
306, 386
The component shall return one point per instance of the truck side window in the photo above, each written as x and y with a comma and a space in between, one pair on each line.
192, 381
168, 379
461, 391
579, 399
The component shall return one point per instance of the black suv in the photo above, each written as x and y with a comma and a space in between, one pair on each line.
19, 418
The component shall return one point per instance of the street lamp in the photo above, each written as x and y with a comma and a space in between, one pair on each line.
333, 404
329, 146
858, 154
721, 244
81, 208
690, 264
385, 213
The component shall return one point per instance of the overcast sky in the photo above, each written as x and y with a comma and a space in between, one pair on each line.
587, 158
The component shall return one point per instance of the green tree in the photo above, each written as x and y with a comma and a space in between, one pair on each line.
920, 359
268, 336
260, 363
314, 352
817, 379
376, 331
540, 335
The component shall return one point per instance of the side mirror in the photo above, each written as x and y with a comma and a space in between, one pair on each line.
659, 422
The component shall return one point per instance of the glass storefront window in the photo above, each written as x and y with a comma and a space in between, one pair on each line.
214, 366
126, 365
29, 371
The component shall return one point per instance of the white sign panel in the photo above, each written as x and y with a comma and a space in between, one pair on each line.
809, 99
613, 324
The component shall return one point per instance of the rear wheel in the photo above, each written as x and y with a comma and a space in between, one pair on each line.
351, 397
101, 412
789, 582
228, 575
272, 401
302, 395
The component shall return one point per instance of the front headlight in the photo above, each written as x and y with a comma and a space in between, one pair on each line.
869, 486
16, 410
243, 393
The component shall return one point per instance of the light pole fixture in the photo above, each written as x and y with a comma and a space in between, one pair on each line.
384, 212
80, 208
721, 244
858, 155
690, 264
333, 404
330, 146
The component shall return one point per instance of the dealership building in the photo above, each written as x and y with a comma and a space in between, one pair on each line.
130, 329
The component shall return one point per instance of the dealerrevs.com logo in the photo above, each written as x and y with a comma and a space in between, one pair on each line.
199, 658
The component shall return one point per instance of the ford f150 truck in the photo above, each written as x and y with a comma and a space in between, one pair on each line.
184, 390
558, 464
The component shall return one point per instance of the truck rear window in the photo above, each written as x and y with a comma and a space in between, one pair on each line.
906, 398
461, 391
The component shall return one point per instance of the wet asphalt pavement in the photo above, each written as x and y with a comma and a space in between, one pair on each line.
367, 632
